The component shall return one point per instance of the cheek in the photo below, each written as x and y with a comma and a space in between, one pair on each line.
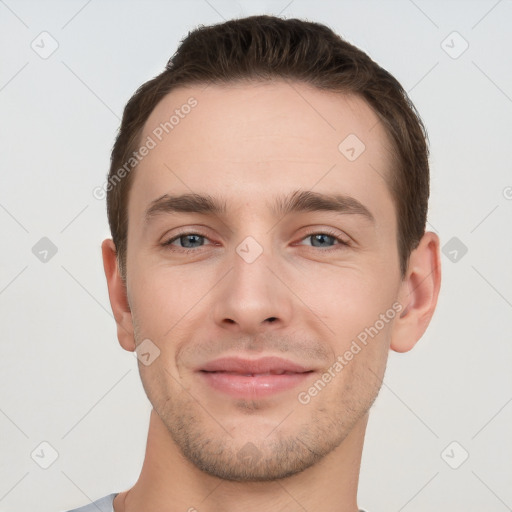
163, 294
350, 300
170, 303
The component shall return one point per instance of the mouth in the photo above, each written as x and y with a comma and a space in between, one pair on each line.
245, 378
275, 372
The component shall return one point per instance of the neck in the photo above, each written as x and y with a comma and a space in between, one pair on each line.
170, 482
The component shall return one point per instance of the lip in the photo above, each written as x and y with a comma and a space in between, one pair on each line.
253, 378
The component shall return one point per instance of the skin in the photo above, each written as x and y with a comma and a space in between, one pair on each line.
248, 143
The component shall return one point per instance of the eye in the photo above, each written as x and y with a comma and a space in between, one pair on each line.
323, 239
190, 241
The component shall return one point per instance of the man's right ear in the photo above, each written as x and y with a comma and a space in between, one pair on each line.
118, 296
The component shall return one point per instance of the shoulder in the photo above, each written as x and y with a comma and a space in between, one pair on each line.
104, 504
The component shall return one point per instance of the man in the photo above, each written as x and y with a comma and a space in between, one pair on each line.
299, 167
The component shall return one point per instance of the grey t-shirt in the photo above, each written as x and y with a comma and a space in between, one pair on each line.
105, 504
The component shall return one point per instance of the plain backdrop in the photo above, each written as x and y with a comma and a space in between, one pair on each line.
439, 436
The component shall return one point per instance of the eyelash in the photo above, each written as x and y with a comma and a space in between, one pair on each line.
185, 250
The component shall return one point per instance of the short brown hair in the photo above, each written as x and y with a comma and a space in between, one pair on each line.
265, 48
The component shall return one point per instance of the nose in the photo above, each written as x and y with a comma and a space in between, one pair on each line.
252, 299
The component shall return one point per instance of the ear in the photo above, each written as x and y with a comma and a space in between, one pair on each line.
118, 296
418, 294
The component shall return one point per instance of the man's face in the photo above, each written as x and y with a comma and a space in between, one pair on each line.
256, 282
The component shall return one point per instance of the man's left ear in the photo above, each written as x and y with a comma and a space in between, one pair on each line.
418, 294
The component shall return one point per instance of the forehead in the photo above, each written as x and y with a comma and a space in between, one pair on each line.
261, 137
251, 110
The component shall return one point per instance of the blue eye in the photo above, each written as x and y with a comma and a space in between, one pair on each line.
321, 239
190, 242
186, 238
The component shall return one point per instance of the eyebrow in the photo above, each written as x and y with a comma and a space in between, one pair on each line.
296, 202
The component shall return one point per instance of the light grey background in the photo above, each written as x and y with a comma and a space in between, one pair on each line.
65, 380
